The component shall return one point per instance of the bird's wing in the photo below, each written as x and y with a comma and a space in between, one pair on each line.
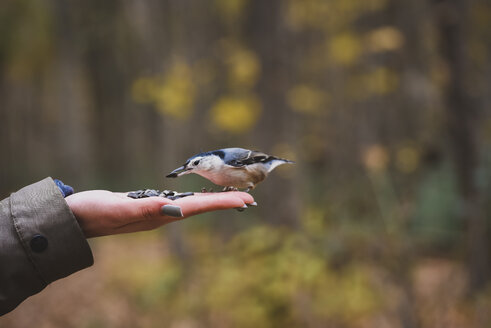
240, 157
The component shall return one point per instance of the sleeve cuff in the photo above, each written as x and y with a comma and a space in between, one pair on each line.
49, 232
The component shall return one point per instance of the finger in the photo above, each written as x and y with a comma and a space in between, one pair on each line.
150, 208
211, 202
246, 198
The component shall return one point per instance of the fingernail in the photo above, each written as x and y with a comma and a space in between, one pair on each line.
172, 210
252, 204
240, 209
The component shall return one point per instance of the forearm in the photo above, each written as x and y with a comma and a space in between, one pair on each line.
40, 242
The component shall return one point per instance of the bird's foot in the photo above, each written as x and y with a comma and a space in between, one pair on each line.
249, 188
230, 188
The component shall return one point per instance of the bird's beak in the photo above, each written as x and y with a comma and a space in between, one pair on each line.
178, 172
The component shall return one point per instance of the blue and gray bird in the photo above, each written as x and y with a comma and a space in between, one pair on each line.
232, 168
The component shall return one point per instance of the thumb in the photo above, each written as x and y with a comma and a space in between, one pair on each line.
153, 207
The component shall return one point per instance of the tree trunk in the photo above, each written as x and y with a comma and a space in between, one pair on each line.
462, 125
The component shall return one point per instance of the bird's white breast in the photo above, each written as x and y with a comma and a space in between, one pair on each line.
239, 177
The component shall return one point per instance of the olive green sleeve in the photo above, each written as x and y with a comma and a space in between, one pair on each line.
40, 242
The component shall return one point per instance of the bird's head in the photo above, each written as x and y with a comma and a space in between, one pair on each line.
196, 164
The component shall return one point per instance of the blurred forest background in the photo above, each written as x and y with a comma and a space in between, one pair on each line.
383, 104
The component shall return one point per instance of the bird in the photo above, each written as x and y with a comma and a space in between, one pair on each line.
232, 168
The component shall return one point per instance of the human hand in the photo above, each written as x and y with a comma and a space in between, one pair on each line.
101, 212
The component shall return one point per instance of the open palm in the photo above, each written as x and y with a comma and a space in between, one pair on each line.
102, 212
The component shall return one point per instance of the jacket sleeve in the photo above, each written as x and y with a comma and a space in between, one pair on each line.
40, 242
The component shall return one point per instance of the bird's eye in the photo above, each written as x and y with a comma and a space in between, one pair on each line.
196, 162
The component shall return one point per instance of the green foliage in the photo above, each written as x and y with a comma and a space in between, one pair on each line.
264, 276
436, 219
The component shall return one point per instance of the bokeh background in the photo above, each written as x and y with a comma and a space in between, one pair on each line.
383, 104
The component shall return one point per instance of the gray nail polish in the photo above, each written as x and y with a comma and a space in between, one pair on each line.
172, 210
240, 209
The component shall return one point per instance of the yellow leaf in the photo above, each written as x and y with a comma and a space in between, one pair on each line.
173, 95
344, 49
386, 38
143, 90
376, 158
382, 81
407, 159
244, 68
306, 99
176, 97
308, 13
379, 81
230, 10
236, 114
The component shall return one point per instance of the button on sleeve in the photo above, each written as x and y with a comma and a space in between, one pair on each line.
38, 243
